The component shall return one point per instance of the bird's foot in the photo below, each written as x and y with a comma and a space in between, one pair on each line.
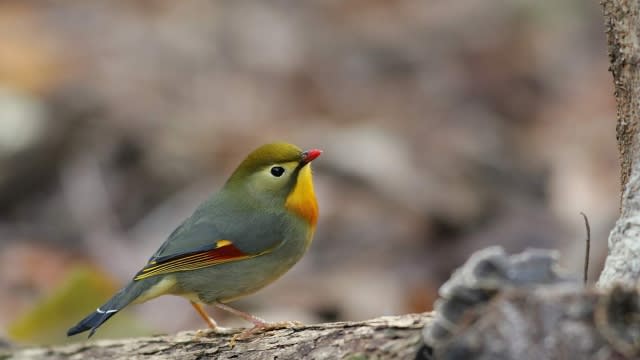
259, 327
218, 330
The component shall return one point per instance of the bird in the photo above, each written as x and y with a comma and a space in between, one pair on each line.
240, 239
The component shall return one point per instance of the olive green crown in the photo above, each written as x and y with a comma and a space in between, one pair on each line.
265, 155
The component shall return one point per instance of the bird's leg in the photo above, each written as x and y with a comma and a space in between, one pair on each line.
208, 319
213, 326
250, 318
259, 324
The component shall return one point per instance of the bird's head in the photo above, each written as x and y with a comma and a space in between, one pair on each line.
278, 174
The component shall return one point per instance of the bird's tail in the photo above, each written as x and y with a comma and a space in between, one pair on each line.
121, 299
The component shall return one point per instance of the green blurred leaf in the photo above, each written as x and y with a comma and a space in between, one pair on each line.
83, 290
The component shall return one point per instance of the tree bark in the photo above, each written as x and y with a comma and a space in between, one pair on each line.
391, 337
560, 321
623, 30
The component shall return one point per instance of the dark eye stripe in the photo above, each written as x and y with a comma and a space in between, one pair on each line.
277, 171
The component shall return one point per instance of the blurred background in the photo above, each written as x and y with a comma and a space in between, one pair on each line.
447, 127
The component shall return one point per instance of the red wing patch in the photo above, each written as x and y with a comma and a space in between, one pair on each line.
225, 252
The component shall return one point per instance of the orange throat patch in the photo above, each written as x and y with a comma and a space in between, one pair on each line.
302, 199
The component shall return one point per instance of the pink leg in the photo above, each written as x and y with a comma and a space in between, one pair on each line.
213, 326
256, 321
259, 325
209, 320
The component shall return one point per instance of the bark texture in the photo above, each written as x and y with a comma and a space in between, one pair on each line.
522, 306
392, 337
623, 30
560, 321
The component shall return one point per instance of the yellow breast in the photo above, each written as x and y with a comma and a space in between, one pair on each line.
302, 199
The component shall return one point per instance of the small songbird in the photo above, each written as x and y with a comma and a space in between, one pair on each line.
239, 240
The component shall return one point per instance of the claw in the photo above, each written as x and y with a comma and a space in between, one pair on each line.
218, 330
259, 325
262, 327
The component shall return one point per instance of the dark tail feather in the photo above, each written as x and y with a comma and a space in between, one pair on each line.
121, 299
92, 322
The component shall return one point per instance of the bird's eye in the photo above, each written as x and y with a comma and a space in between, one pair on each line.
277, 171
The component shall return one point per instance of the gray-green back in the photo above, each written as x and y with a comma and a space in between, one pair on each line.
222, 217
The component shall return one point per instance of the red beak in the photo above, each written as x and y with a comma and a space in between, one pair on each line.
310, 155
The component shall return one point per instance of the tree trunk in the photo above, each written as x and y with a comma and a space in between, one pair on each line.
623, 29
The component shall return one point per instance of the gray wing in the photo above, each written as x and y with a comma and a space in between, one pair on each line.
250, 232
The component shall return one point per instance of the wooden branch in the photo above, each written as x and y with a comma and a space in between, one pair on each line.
385, 337
622, 21
496, 306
